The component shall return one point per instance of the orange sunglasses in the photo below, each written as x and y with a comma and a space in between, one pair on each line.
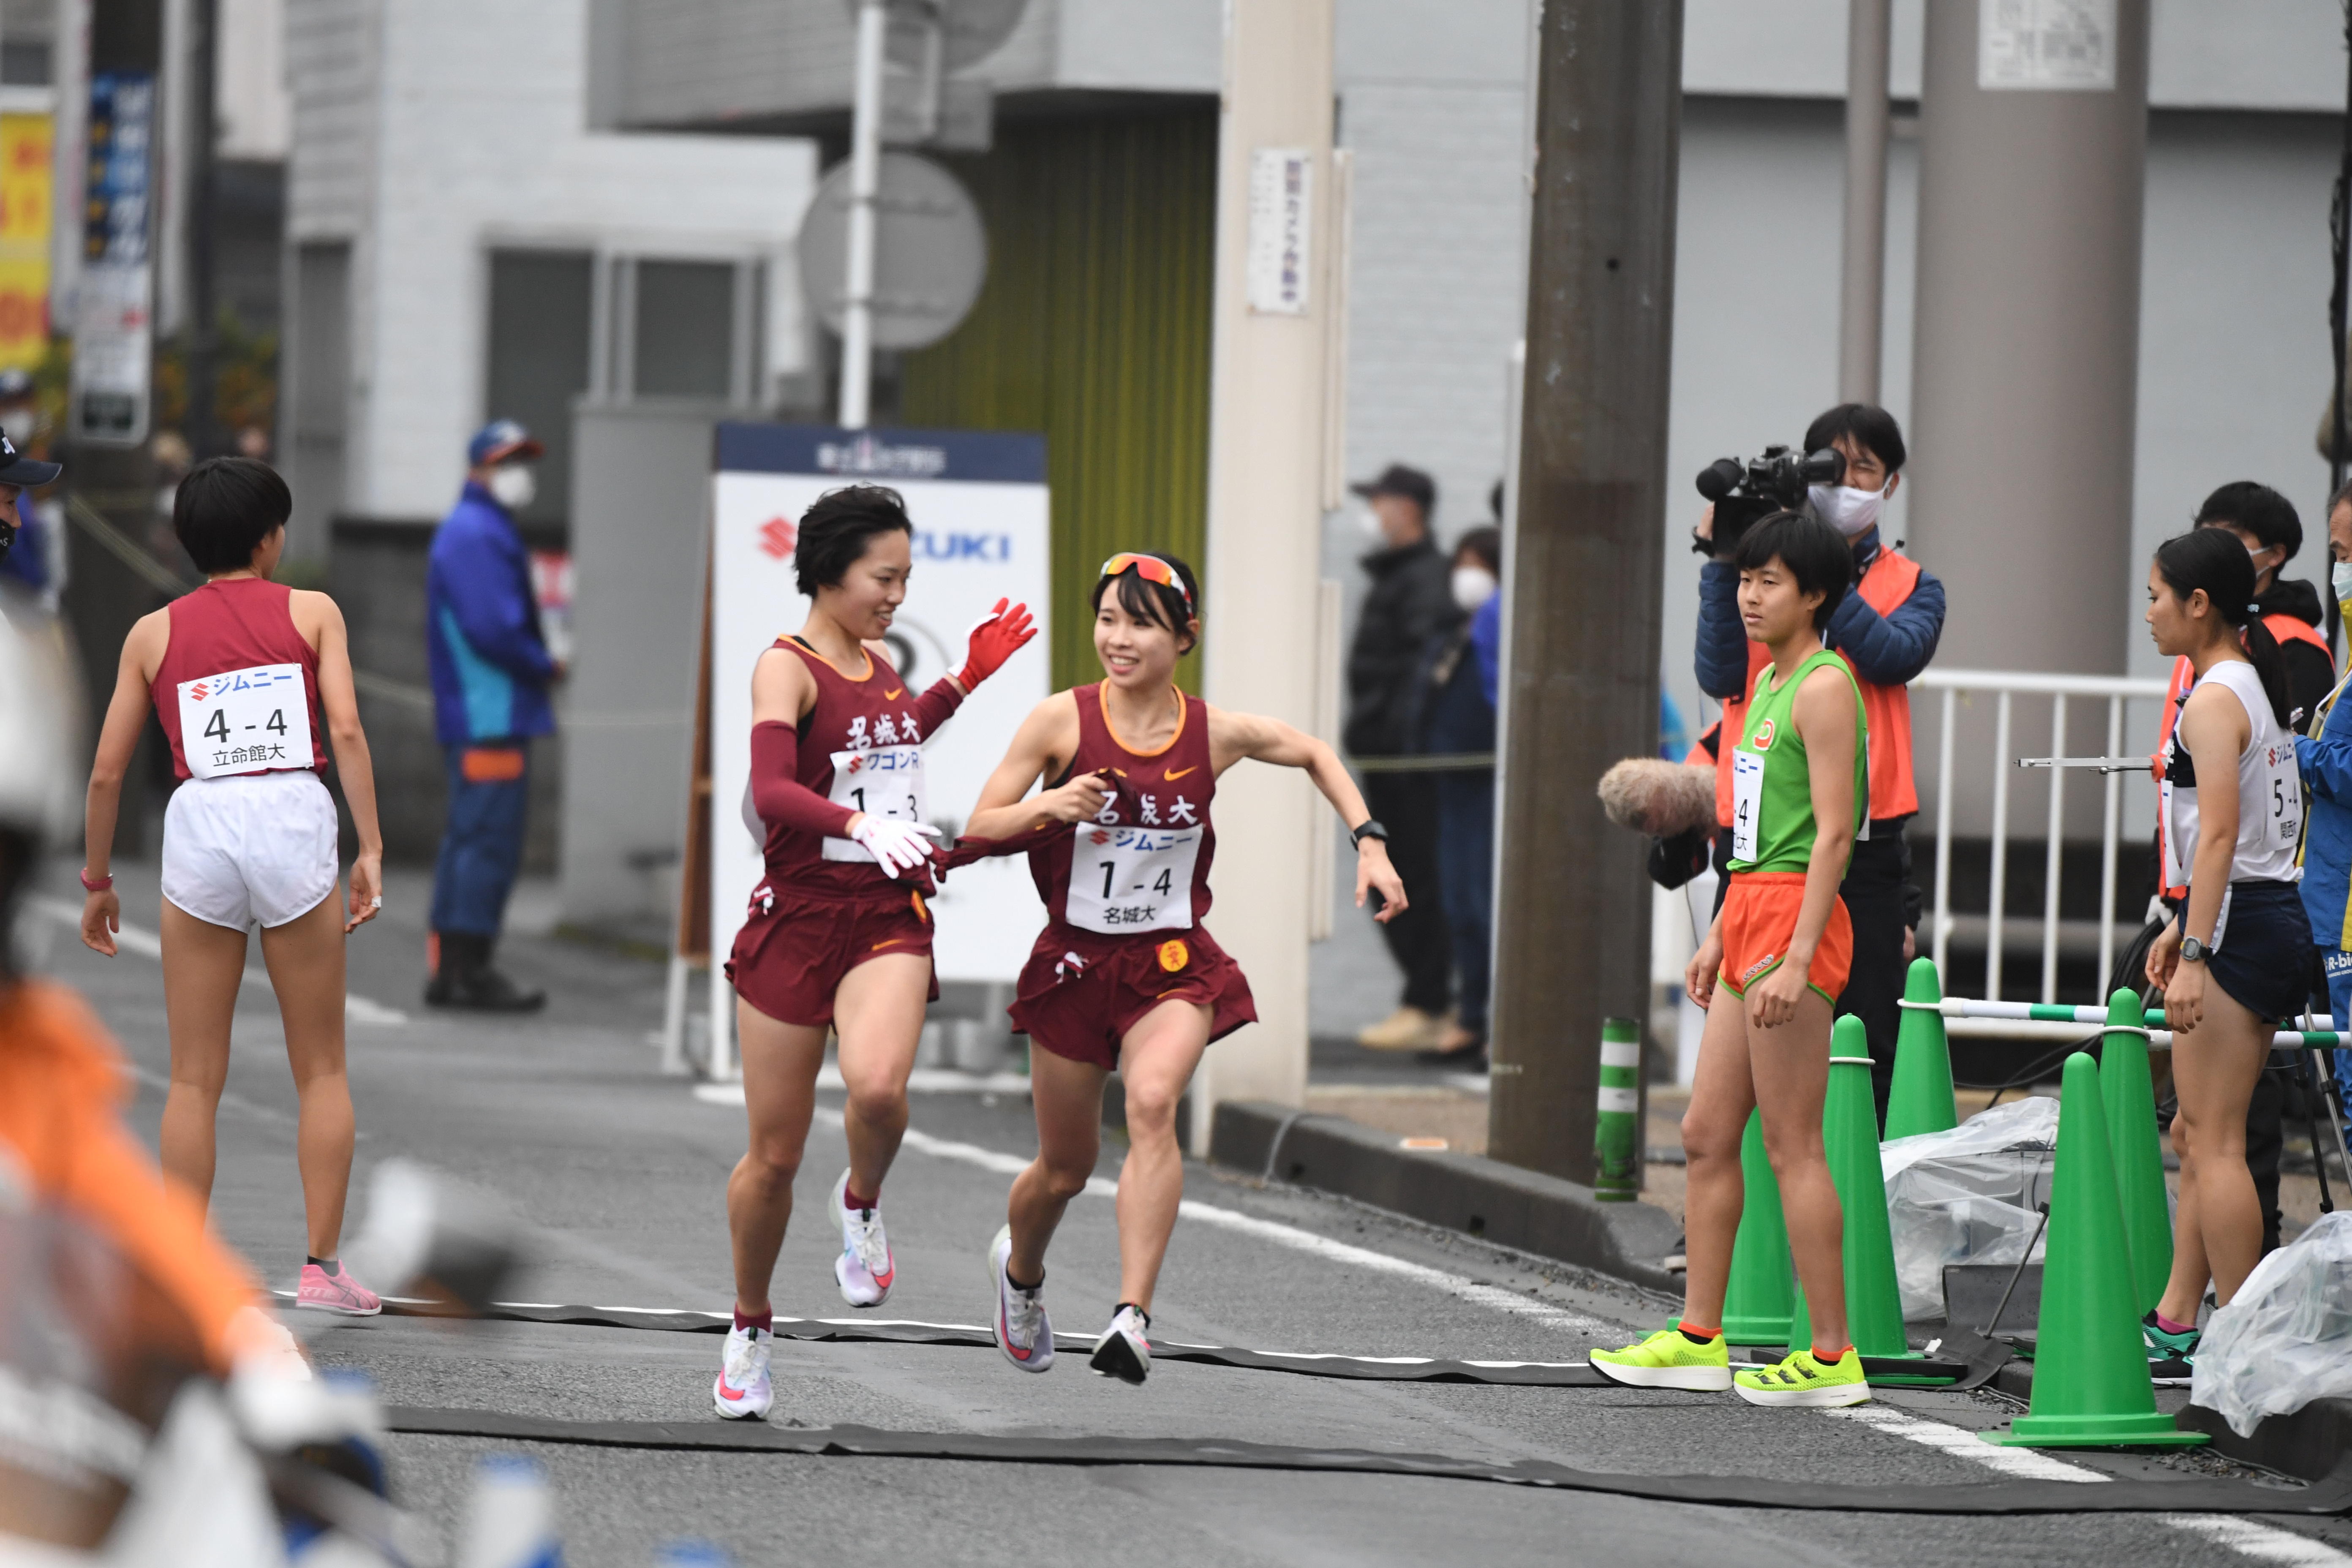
1151, 569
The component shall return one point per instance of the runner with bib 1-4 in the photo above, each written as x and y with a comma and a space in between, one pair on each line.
1124, 975
1769, 975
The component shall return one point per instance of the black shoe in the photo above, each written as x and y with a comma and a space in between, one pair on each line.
465, 980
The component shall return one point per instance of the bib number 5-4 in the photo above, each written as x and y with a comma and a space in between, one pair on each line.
886, 781
246, 721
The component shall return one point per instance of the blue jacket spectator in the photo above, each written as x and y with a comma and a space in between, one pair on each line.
1890, 649
490, 666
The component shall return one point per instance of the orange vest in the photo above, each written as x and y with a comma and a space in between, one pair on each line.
2284, 628
1886, 709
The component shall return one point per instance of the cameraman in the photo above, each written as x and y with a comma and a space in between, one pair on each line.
1888, 630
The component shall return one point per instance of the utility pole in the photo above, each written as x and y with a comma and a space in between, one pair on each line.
1572, 907
865, 185
1861, 302
200, 124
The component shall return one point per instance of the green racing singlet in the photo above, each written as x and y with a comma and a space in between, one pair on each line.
1771, 789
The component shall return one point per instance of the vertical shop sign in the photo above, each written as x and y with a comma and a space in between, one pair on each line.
114, 334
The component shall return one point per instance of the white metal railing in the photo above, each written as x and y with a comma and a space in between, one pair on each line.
2003, 686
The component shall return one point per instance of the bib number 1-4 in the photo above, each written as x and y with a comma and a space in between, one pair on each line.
1747, 803
246, 721
1132, 878
886, 781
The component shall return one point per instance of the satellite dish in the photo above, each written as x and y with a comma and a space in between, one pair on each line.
971, 30
930, 252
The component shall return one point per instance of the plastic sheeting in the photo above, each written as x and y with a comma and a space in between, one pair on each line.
1967, 1195
2286, 1340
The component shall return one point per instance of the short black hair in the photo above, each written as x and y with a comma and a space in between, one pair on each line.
2259, 510
1816, 555
226, 508
1154, 603
1485, 542
833, 532
1867, 425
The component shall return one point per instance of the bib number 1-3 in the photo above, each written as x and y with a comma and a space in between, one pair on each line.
246, 721
886, 781
1132, 878
1747, 803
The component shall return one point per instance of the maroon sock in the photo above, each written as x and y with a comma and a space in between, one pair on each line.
744, 1320
851, 1201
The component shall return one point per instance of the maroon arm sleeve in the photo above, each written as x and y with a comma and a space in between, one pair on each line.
779, 798
937, 706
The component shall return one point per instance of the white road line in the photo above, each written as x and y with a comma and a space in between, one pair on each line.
2249, 1538
148, 944
1290, 1237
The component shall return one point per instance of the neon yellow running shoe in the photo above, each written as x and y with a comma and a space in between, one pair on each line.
1667, 1359
1799, 1380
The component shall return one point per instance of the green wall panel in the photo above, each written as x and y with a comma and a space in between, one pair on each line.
1094, 328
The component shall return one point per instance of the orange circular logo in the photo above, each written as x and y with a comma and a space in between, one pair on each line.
1175, 955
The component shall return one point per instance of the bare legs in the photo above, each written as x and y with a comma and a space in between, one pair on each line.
1785, 1070
879, 1013
204, 964
1156, 1061
2216, 1230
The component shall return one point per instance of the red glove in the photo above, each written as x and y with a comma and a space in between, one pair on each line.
1000, 634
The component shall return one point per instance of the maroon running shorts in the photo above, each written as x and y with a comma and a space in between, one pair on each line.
795, 948
1080, 993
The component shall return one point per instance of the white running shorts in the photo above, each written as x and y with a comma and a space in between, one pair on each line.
250, 847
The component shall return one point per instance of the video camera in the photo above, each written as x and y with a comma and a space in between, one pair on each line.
1744, 493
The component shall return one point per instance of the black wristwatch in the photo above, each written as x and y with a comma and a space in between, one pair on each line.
2192, 951
1369, 828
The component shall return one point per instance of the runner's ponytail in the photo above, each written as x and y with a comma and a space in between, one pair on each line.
2213, 560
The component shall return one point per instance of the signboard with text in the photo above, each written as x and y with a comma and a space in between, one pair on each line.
114, 332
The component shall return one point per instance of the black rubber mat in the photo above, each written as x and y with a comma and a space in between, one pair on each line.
2330, 1497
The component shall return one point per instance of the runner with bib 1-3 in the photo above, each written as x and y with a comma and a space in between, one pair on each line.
1124, 975
1769, 975
240, 673
838, 935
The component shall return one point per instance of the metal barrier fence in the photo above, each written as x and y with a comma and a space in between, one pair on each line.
2004, 686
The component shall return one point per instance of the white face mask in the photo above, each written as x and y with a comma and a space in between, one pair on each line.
1849, 510
1368, 522
1472, 586
515, 485
2339, 576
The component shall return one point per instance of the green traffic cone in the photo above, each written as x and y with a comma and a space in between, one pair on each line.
2129, 1098
1921, 1100
1873, 1301
1755, 1301
2091, 1384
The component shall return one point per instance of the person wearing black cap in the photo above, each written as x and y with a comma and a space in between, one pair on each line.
491, 671
1411, 601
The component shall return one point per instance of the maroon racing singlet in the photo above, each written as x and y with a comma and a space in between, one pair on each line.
859, 746
1142, 865
241, 676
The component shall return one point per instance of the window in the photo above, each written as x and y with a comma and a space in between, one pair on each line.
541, 315
685, 329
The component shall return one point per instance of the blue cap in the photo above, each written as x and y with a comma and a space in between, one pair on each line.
499, 440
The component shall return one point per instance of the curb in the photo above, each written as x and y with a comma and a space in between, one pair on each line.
1467, 1193
2308, 1443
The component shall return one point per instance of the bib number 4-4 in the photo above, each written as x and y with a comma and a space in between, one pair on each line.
886, 781
1132, 878
246, 721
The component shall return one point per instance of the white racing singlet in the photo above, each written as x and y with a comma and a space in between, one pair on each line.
2270, 790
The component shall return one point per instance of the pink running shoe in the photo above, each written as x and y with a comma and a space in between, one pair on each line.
337, 1292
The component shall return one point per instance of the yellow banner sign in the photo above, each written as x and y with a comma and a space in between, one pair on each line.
25, 209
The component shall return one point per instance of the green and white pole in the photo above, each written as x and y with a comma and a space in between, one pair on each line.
1616, 1132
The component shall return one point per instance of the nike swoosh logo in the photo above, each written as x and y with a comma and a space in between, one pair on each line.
1174, 774
728, 1391
880, 945
893, 696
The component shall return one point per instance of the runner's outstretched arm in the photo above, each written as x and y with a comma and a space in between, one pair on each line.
1049, 734
1233, 736
118, 738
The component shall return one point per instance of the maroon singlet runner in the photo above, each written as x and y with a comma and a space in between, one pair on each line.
1084, 988
811, 919
234, 625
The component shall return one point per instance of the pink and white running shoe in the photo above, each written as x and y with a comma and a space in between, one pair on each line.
321, 1291
864, 1270
1023, 1330
743, 1392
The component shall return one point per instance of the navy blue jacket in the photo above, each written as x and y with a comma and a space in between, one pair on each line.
1887, 651
490, 666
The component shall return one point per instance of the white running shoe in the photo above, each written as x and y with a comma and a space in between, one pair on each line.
864, 1270
1023, 1330
1124, 1354
743, 1392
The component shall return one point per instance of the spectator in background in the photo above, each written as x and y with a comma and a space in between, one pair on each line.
1457, 719
491, 671
2325, 751
1411, 601
37, 558
1886, 630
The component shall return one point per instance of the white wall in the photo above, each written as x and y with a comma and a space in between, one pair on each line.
478, 139
254, 110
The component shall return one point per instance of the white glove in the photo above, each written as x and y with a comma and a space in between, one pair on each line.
897, 846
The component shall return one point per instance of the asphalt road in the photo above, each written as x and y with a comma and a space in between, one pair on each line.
564, 1118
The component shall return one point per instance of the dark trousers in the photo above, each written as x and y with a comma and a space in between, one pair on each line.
481, 847
1873, 891
1406, 804
2266, 1142
1465, 857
